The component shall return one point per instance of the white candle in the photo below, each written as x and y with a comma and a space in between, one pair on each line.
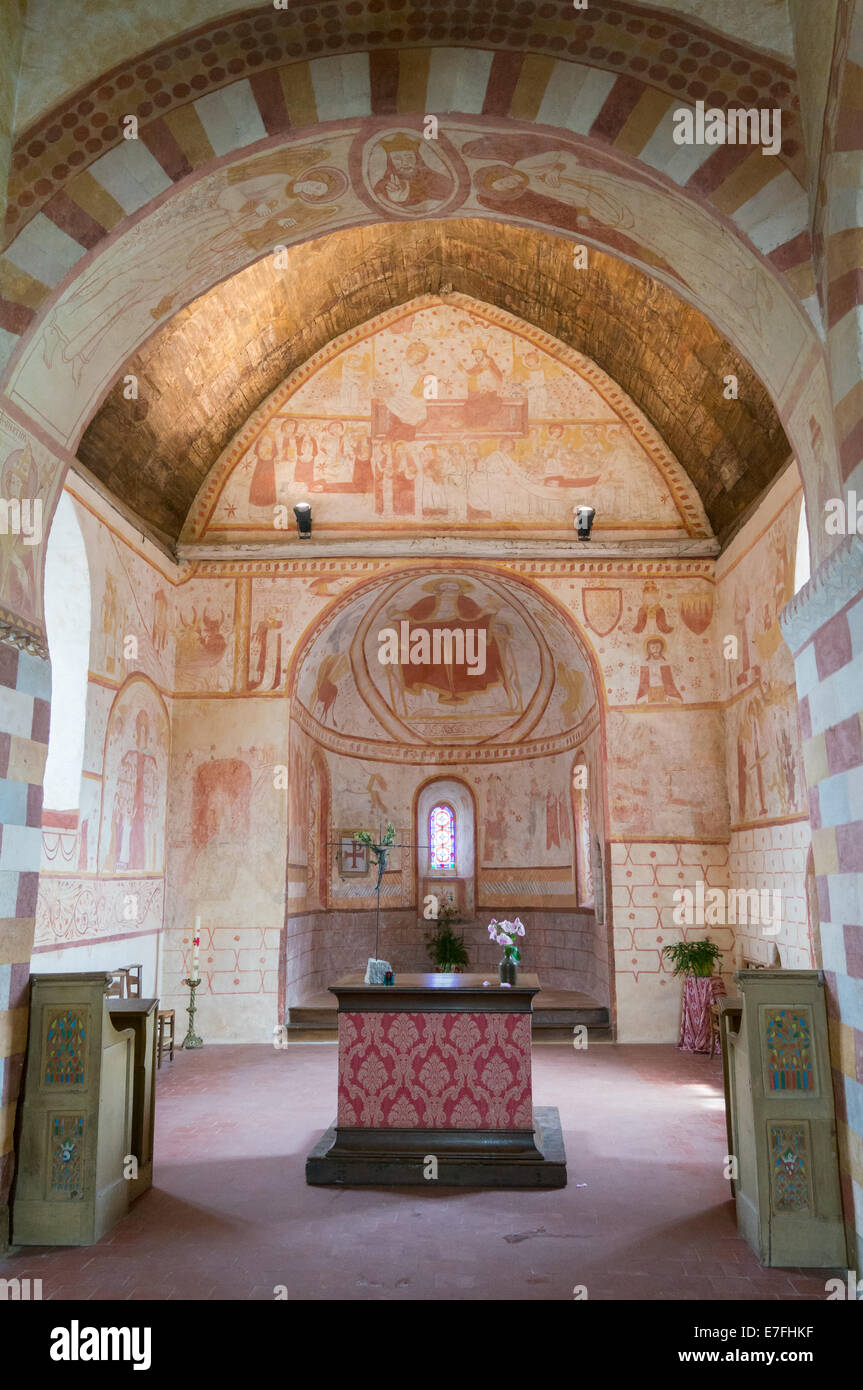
195, 948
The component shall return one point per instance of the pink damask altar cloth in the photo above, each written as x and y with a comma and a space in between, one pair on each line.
699, 992
438, 1067
442, 1071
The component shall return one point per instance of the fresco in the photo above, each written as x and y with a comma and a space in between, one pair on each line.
765, 765
533, 681
450, 415
203, 629
102, 874
275, 664
131, 599
216, 223
653, 632
132, 836
29, 475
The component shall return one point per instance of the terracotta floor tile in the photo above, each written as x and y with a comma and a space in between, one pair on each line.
231, 1216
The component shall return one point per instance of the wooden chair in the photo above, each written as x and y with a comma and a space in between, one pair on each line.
117, 987
715, 1036
714, 1029
165, 1040
133, 981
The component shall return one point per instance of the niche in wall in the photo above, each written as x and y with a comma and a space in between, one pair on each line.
439, 878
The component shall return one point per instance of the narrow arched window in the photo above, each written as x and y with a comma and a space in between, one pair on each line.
442, 846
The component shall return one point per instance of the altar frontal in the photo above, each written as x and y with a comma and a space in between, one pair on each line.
435, 1085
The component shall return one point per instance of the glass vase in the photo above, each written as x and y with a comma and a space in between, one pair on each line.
508, 969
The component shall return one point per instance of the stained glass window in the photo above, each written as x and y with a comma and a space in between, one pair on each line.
441, 838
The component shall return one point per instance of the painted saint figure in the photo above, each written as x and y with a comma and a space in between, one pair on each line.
262, 489
484, 382
448, 606
134, 824
408, 181
266, 653
651, 609
656, 683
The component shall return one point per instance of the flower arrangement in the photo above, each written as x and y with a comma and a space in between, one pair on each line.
505, 934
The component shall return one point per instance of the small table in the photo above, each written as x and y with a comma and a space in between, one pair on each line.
435, 1084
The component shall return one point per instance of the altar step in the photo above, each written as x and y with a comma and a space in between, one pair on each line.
556, 1012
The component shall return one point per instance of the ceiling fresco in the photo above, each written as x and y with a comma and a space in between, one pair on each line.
203, 374
448, 414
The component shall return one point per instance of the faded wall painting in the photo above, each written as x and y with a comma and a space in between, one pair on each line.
756, 582
132, 835
510, 670
103, 861
204, 636
29, 481
132, 599
449, 413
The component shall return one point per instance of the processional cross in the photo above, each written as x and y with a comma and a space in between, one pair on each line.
379, 850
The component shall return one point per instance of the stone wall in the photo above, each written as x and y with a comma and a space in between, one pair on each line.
824, 629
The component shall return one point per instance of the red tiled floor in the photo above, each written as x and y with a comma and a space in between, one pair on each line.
646, 1215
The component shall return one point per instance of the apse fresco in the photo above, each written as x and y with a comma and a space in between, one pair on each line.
528, 679
450, 416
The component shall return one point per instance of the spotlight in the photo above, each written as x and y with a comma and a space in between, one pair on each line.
584, 521
303, 513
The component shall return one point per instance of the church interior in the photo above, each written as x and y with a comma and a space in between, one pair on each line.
429, 511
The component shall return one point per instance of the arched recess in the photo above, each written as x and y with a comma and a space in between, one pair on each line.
460, 881
508, 783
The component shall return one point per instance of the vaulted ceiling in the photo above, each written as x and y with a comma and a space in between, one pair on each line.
202, 375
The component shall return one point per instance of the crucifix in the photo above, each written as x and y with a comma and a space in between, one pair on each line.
379, 850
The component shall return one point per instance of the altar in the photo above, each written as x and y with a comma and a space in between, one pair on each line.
434, 1084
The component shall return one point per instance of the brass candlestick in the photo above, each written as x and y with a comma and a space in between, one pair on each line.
191, 1039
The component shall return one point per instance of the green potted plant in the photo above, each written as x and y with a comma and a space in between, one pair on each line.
693, 957
696, 961
448, 951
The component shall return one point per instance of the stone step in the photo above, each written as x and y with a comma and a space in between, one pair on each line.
302, 1016
559, 1017
541, 1036
557, 1014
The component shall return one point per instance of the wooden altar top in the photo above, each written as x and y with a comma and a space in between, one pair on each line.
436, 994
